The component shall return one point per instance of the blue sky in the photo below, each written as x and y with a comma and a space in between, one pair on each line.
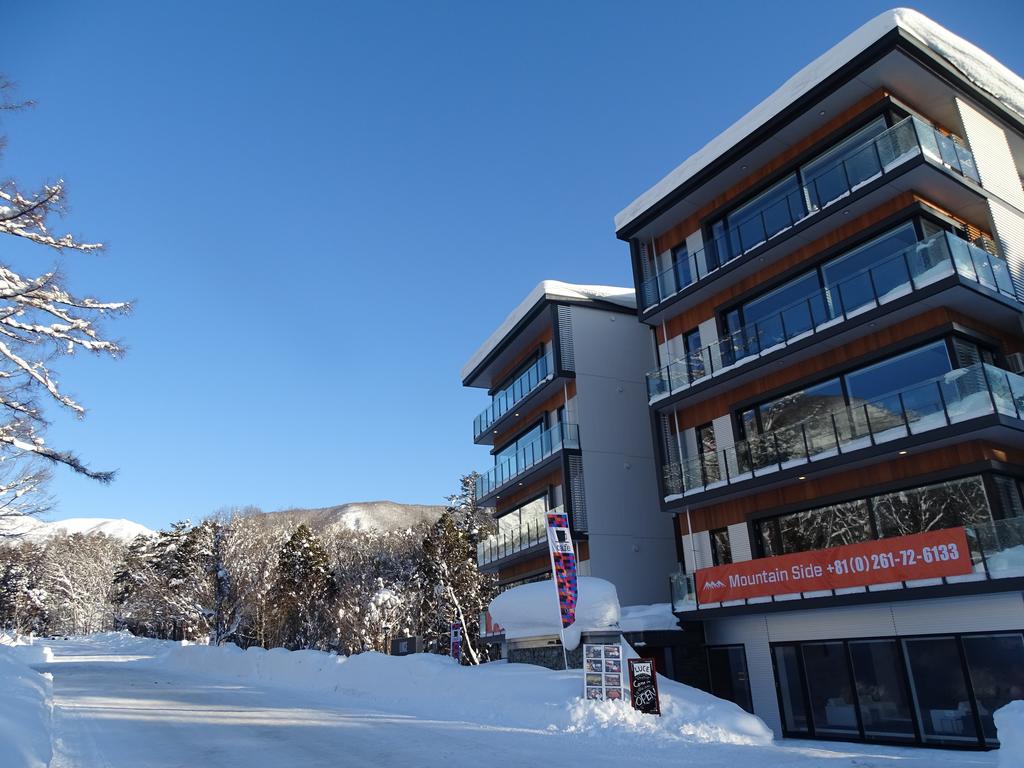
323, 208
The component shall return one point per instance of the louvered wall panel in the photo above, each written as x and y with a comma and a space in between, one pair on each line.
991, 154
579, 498
565, 338
1009, 226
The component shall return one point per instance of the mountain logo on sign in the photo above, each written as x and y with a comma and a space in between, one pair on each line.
716, 584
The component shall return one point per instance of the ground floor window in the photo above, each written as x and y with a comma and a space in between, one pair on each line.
938, 690
727, 672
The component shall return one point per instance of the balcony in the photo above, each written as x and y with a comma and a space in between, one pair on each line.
997, 552
906, 271
511, 542
504, 401
958, 396
550, 442
902, 142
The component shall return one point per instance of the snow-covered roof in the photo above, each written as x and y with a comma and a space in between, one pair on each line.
972, 62
553, 290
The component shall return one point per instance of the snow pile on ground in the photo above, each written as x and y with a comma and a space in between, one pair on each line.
647, 618
531, 610
25, 706
1009, 722
26, 650
509, 695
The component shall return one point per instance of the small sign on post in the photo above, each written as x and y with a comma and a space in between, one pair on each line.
455, 642
643, 686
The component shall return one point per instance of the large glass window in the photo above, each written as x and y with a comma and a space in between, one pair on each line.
856, 279
761, 218
935, 689
508, 453
851, 162
530, 515
791, 694
830, 689
721, 547
900, 372
881, 689
832, 526
939, 689
961, 502
727, 666
996, 665
784, 312
933, 507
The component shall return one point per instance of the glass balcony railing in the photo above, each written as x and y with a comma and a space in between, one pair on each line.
512, 541
684, 592
505, 400
549, 442
997, 548
960, 395
997, 552
909, 269
907, 139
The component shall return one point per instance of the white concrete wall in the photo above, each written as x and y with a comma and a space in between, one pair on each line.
630, 538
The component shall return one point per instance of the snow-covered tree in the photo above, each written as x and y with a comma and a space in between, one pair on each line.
77, 575
303, 593
41, 322
22, 597
454, 590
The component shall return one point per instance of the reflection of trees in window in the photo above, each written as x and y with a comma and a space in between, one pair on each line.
946, 505
834, 526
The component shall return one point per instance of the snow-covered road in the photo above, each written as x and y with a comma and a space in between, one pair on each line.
117, 707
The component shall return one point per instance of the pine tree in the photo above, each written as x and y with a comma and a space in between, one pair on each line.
454, 590
303, 593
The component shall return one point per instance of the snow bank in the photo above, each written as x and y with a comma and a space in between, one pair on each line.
531, 610
26, 650
25, 705
1010, 731
509, 695
646, 618
976, 65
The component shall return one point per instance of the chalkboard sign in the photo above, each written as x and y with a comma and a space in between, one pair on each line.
643, 686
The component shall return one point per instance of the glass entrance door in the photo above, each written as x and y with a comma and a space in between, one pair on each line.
727, 666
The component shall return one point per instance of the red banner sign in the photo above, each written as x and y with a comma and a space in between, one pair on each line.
903, 558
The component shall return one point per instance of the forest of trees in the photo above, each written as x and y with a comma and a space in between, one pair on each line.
250, 578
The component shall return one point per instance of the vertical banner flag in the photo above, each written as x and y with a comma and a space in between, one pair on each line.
563, 564
643, 686
455, 642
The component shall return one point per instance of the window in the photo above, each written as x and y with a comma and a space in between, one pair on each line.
899, 372
721, 547
881, 689
962, 502
727, 671
681, 263
996, 666
933, 507
855, 280
692, 350
851, 162
708, 453
830, 689
755, 221
939, 689
528, 518
510, 452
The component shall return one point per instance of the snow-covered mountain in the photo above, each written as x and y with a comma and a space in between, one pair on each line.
38, 530
377, 516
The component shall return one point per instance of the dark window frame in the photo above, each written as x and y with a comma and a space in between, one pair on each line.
899, 640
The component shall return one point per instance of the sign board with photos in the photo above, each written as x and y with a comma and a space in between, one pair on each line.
602, 672
643, 686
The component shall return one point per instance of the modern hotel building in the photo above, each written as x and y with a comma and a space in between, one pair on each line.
567, 428
833, 287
